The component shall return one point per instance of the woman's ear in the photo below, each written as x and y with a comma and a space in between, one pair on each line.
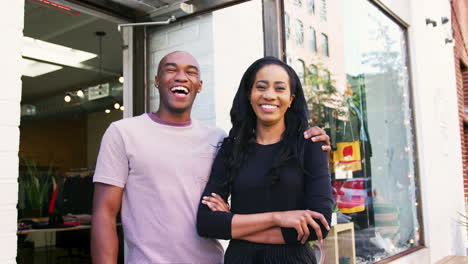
291, 99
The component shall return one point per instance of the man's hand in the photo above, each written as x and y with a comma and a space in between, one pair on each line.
106, 205
317, 134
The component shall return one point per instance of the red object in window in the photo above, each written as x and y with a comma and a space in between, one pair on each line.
52, 200
348, 151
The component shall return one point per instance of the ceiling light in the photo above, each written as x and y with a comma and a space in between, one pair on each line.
121, 79
122, 108
34, 68
117, 106
80, 93
67, 98
107, 111
46, 51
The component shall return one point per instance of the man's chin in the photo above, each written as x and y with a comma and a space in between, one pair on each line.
179, 110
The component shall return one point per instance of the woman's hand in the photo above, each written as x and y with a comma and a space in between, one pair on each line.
216, 203
300, 220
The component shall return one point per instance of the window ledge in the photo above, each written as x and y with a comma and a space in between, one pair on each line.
401, 254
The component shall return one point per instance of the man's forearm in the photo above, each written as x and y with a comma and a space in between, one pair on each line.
268, 236
104, 240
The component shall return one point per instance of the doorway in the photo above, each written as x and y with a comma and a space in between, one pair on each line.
72, 89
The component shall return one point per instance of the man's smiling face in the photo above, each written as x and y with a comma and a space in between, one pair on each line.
178, 81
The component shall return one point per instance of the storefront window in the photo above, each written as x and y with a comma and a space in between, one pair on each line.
358, 90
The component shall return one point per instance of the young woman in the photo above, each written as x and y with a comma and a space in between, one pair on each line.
278, 181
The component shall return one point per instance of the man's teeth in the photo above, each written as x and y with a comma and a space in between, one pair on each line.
269, 106
179, 89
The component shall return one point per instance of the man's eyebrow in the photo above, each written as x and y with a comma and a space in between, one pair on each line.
175, 65
169, 64
193, 67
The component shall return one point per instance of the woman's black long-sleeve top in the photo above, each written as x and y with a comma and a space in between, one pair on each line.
252, 190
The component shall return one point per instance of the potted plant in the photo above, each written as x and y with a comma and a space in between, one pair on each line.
35, 184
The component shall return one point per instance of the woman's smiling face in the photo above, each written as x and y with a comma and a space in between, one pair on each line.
271, 94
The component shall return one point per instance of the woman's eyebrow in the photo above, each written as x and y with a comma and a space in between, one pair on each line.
280, 82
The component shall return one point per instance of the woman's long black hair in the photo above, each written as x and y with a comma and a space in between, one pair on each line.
241, 139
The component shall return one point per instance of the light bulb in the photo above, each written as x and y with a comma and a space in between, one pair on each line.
67, 98
107, 111
116, 106
121, 79
80, 93
122, 108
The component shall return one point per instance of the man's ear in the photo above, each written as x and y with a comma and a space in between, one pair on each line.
201, 86
156, 81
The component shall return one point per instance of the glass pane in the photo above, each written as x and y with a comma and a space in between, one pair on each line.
358, 90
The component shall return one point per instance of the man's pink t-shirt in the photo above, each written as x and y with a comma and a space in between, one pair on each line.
163, 169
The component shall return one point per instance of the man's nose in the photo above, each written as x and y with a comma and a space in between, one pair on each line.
181, 76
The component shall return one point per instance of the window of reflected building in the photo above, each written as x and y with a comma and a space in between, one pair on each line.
300, 70
313, 77
311, 6
312, 39
299, 32
323, 9
357, 88
325, 50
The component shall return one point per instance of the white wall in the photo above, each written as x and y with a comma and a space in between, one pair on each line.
11, 19
437, 130
193, 35
238, 42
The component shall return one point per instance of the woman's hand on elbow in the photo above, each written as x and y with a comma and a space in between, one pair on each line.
216, 203
300, 220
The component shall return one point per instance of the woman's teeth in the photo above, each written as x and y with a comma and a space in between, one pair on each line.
269, 106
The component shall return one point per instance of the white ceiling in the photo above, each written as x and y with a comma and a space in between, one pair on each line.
77, 32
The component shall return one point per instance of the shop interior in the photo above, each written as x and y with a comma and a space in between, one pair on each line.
72, 89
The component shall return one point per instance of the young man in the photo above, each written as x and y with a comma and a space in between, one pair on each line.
154, 168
